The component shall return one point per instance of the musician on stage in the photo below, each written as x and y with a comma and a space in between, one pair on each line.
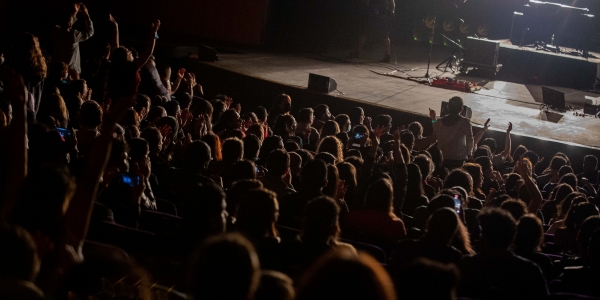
375, 19
597, 83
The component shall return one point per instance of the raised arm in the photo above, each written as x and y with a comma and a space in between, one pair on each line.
80, 210
88, 32
370, 158
425, 143
177, 81
114, 43
144, 56
469, 138
14, 148
477, 137
398, 157
508, 143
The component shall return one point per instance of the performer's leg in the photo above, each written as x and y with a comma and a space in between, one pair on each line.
387, 46
385, 30
597, 83
361, 43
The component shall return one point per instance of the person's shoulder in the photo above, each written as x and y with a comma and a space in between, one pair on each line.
341, 246
524, 263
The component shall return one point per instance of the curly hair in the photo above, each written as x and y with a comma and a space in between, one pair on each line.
27, 58
332, 145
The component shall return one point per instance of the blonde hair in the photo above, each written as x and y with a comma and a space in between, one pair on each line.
27, 58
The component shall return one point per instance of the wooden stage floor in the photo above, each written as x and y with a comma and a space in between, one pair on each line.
365, 80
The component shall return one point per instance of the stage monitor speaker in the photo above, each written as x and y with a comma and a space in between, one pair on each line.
467, 112
206, 53
590, 107
482, 53
321, 84
553, 98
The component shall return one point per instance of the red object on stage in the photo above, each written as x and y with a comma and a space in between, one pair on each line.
454, 84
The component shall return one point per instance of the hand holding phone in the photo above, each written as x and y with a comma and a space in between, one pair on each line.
129, 179
457, 203
64, 132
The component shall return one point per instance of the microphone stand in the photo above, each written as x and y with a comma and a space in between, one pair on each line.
427, 76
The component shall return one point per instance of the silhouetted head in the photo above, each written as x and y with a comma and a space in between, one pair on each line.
442, 226
343, 275
225, 267
498, 228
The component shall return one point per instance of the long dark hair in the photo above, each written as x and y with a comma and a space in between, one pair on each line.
27, 59
414, 189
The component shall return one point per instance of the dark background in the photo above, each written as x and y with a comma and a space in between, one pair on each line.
288, 25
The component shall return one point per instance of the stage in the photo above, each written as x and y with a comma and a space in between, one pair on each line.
367, 81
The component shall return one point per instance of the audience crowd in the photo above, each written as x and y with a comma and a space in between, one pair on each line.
148, 188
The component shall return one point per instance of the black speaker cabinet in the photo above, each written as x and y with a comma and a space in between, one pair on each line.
481, 53
206, 53
321, 84
467, 112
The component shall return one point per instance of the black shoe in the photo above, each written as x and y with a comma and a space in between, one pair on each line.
386, 59
354, 54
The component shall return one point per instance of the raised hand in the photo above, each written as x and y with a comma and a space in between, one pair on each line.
70, 142
106, 105
380, 131
166, 131
522, 168
486, 124
184, 117
435, 182
83, 9
181, 73
190, 79
238, 108
228, 102
509, 129
155, 26
497, 176
367, 122
185, 141
262, 171
89, 94
198, 125
432, 114
112, 20
194, 83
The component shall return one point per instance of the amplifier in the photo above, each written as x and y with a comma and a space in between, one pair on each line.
321, 84
590, 107
481, 53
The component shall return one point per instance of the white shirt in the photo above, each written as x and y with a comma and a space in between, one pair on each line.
66, 44
455, 141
